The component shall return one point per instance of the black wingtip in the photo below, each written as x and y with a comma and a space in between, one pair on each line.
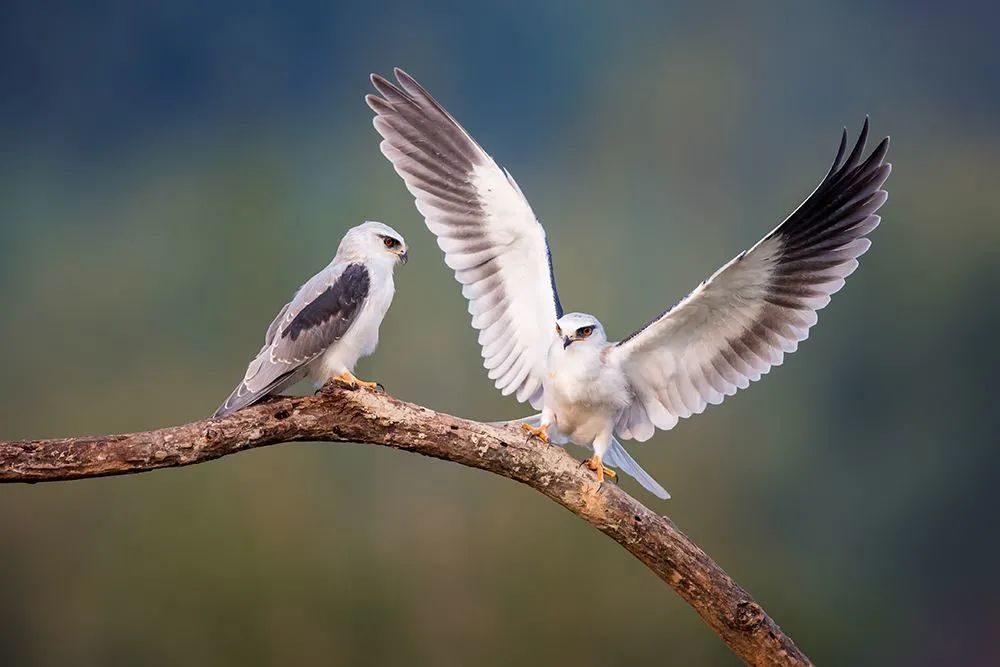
378, 105
859, 148
876, 158
390, 91
882, 149
840, 155
412, 86
405, 81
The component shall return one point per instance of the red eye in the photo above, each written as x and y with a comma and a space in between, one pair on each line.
585, 331
390, 242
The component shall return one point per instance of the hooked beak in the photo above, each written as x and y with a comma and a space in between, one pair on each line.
404, 257
567, 341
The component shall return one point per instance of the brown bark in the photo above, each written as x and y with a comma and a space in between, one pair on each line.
340, 415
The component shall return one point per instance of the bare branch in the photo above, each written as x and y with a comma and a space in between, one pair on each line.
375, 418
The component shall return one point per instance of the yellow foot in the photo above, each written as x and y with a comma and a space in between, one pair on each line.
542, 432
595, 464
348, 378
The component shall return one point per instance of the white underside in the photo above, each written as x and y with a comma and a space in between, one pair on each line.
583, 395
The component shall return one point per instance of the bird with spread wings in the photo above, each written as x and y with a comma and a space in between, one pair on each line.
724, 335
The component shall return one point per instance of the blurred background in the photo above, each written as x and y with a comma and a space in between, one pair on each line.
171, 172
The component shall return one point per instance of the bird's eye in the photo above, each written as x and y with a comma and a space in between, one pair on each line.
583, 332
390, 242
558, 331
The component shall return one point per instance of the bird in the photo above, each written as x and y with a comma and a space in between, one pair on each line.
726, 333
332, 320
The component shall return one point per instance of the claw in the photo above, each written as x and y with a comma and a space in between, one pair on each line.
541, 432
349, 378
594, 463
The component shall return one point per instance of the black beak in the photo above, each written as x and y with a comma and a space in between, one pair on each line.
567, 341
405, 257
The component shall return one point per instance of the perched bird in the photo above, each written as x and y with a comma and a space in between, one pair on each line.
331, 322
725, 334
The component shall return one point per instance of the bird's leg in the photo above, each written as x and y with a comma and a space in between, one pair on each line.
541, 432
347, 377
594, 463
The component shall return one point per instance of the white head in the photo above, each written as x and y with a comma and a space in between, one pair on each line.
580, 329
373, 242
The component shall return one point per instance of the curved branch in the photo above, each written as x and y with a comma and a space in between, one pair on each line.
339, 415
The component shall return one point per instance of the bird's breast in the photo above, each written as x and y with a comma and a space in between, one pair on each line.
584, 394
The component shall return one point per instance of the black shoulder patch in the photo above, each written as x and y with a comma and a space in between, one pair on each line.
340, 301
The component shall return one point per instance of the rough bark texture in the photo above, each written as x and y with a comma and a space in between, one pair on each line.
340, 415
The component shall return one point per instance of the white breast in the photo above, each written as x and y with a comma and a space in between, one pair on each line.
584, 393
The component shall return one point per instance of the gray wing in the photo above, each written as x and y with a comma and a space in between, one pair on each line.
319, 315
484, 225
742, 321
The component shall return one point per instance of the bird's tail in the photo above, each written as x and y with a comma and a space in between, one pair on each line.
243, 396
617, 457
239, 399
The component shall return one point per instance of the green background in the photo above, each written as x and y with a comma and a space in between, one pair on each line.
170, 173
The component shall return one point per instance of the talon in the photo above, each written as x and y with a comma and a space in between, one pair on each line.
540, 432
349, 378
594, 463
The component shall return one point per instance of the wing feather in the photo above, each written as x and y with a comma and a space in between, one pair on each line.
319, 314
740, 323
483, 224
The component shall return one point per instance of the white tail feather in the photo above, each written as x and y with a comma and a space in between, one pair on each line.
617, 457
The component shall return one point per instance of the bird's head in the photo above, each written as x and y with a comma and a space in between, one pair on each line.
373, 241
580, 328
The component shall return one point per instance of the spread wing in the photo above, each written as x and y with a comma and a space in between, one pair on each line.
319, 315
485, 227
742, 321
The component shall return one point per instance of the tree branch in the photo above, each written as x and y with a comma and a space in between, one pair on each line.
339, 415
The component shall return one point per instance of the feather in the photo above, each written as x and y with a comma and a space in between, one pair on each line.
742, 321
485, 226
